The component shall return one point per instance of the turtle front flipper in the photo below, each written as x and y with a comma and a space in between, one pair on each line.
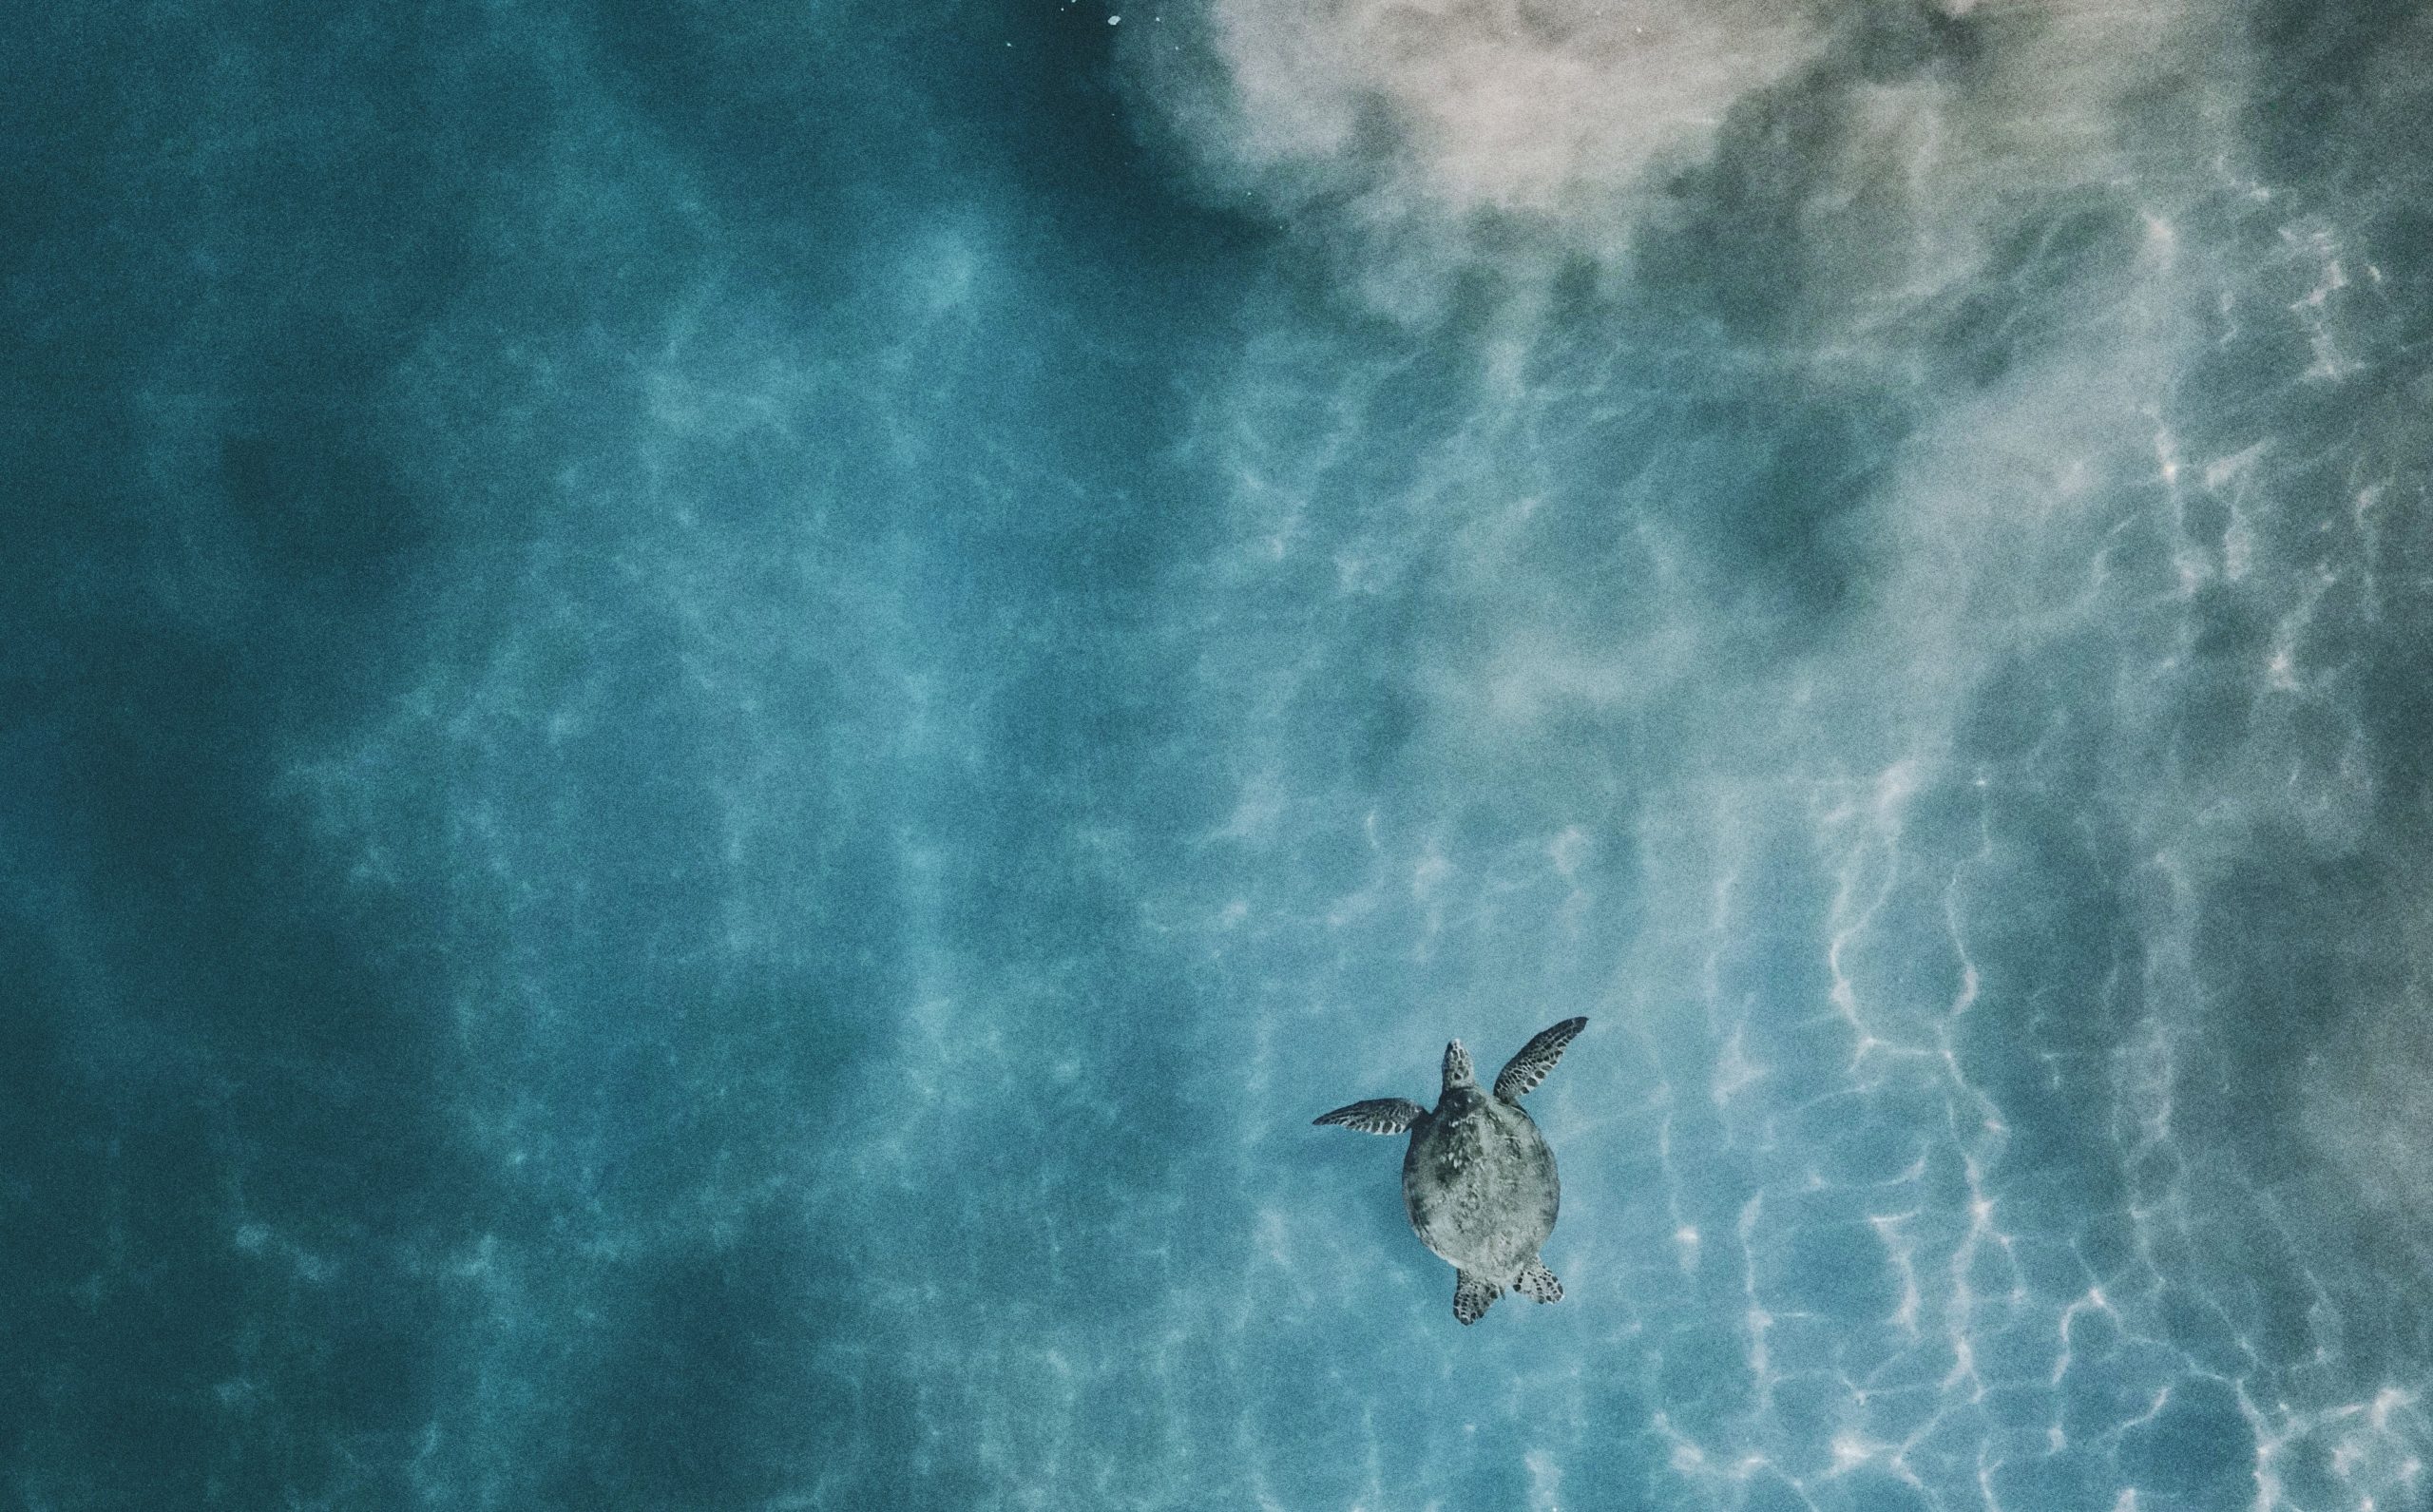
1376, 1116
1539, 1282
1535, 1059
1472, 1296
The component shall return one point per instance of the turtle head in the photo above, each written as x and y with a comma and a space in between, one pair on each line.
1456, 1068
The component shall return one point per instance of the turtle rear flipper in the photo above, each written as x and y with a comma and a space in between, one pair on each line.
1472, 1296
1539, 1282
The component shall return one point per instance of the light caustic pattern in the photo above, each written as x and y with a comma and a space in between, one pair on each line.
1974, 1121
1937, 1163
940, 703
1979, 824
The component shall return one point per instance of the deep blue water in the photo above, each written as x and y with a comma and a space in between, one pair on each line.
719, 719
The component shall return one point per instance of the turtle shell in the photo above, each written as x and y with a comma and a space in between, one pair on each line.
1479, 1184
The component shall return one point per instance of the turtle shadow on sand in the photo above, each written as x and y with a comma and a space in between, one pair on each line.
1478, 1180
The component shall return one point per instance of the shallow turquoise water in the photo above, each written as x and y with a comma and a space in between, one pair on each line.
720, 718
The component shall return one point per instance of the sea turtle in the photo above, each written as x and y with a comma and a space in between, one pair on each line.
1478, 1178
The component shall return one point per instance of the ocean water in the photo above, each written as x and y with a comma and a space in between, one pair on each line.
719, 719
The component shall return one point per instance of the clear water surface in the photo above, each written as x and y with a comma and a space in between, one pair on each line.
717, 720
